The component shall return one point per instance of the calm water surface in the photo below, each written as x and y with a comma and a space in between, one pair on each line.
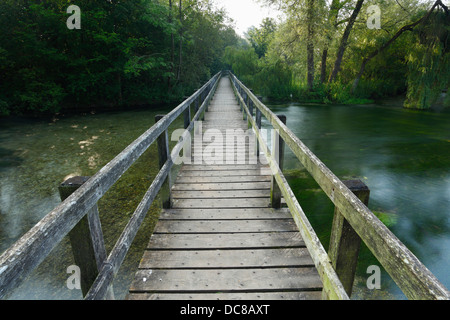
36, 156
403, 156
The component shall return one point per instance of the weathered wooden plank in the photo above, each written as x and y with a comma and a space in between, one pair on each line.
31, 249
414, 279
224, 173
221, 186
332, 284
221, 203
223, 214
181, 179
345, 242
218, 259
163, 155
298, 295
115, 259
179, 241
242, 280
86, 239
220, 194
224, 167
221, 226
278, 154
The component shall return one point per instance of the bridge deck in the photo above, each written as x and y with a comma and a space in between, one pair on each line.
221, 240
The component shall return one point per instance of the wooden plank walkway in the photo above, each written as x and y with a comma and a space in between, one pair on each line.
221, 240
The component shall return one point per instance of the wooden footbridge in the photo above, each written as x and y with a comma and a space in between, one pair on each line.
230, 227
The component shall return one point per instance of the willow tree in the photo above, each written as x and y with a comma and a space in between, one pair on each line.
429, 62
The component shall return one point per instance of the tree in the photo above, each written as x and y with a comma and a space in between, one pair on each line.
330, 30
344, 41
260, 37
408, 27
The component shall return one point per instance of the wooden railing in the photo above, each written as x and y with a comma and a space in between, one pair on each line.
353, 220
77, 215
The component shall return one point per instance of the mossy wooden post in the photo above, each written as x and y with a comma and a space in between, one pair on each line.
197, 103
258, 124
86, 239
163, 155
250, 108
187, 117
344, 241
278, 155
210, 87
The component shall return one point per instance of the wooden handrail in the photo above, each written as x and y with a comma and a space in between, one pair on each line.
17, 262
112, 264
331, 283
412, 277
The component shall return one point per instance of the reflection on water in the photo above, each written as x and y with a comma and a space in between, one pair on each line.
404, 158
36, 156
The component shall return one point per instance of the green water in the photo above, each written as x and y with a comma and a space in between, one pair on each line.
403, 156
35, 156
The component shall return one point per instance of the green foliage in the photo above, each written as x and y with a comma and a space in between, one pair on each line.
429, 63
415, 63
121, 56
261, 37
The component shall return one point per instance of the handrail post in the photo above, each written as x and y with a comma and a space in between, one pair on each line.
344, 241
187, 116
244, 98
278, 155
258, 124
163, 156
86, 239
250, 108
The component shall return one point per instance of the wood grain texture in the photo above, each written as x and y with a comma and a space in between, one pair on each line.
220, 234
414, 279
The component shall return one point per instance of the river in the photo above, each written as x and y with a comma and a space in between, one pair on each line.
403, 156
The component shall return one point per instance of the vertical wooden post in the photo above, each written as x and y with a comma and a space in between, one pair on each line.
197, 103
187, 117
258, 124
86, 239
344, 241
244, 102
278, 155
250, 108
163, 155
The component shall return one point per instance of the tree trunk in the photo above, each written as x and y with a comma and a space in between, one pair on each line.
180, 45
332, 17
310, 44
344, 41
172, 48
323, 65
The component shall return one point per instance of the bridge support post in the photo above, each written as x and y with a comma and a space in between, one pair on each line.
163, 155
187, 117
278, 155
258, 124
250, 108
344, 241
86, 239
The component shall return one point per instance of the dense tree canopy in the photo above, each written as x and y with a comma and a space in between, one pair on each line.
140, 52
351, 51
126, 53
